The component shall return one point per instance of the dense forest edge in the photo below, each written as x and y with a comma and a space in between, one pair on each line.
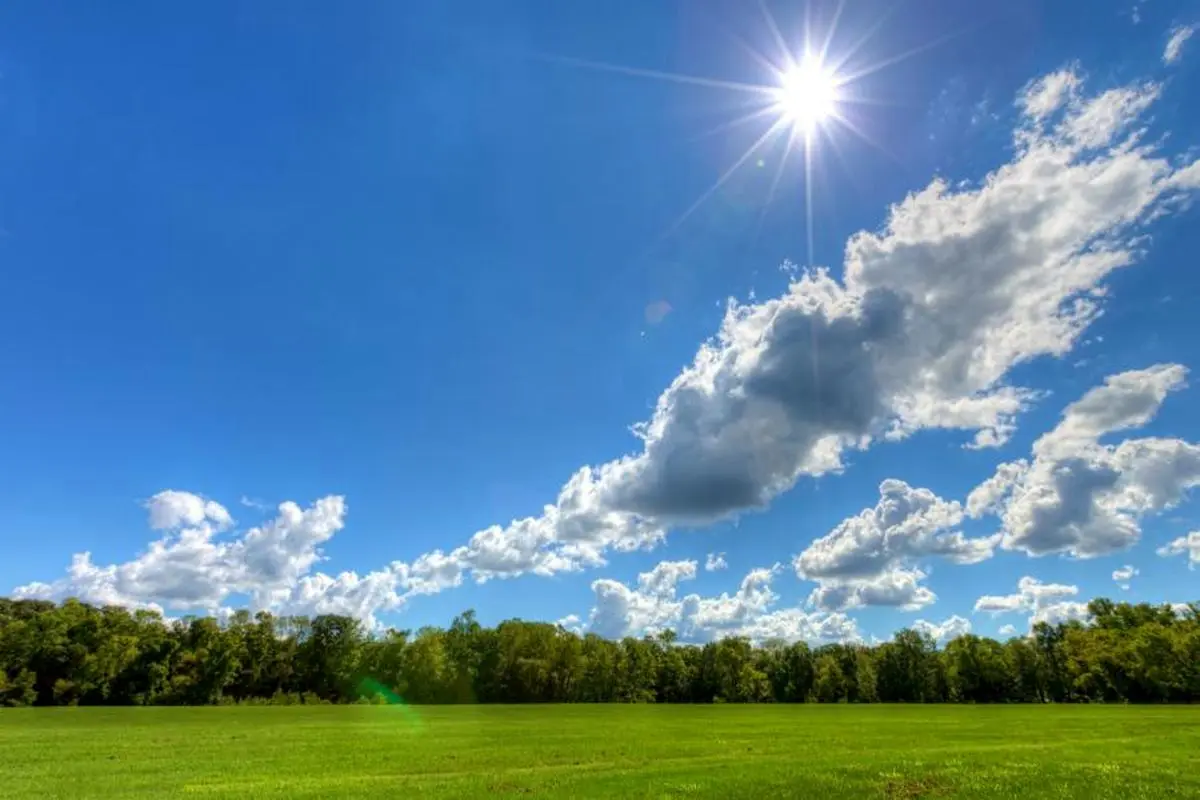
78, 654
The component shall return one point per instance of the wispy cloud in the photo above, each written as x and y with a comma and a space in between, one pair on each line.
257, 505
1123, 575
1174, 49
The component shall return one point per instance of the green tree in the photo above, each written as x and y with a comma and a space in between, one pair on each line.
829, 684
76, 653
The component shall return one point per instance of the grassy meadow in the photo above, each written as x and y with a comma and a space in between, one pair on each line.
602, 751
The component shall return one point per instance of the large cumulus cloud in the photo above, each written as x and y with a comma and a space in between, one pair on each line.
1083, 497
189, 568
932, 312
870, 559
920, 330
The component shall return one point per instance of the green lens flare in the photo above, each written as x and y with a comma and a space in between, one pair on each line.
373, 689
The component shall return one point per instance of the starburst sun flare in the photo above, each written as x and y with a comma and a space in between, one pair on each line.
809, 86
807, 94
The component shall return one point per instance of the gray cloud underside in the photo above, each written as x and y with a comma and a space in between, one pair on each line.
1082, 497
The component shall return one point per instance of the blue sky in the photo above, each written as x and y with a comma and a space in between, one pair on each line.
414, 266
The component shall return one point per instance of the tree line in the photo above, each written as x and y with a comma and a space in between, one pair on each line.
79, 654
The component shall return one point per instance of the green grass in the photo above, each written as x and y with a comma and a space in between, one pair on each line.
603, 751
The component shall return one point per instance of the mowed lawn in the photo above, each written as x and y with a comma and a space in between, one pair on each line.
603, 751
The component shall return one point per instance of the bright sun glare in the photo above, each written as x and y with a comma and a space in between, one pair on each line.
807, 94
805, 101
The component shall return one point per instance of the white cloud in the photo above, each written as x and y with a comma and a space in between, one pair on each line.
620, 610
172, 509
900, 588
572, 534
1174, 49
1044, 602
1008, 630
665, 577
1083, 498
1031, 595
1126, 400
868, 559
906, 523
189, 569
986, 497
1047, 95
655, 605
1188, 545
945, 630
960, 284
347, 593
250, 502
714, 562
1188, 177
87, 582
430, 573
1096, 122
794, 625
1056, 613
649, 608
278, 552
708, 617
1123, 575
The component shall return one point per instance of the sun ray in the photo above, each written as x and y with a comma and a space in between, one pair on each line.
765, 63
807, 28
808, 216
861, 134
674, 77
807, 89
787, 151
775, 179
707, 193
776, 34
907, 54
808, 199
837, 151
875, 102
853, 49
829, 34
730, 124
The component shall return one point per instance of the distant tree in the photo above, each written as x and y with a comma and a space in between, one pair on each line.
866, 678
329, 658
426, 668
904, 669
978, 670
80, 654
829, 684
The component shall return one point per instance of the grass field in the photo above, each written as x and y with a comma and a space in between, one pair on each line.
603, 751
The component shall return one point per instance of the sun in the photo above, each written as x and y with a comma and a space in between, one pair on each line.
807, 94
